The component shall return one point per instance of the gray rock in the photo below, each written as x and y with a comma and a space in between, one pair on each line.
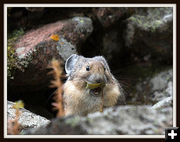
161, 80
151, 29
163, 103
59, 126
109, 16
83, 24
35, 50
162, 86
27, 119
157, 88
135, 120
77, 30
112, 45
66, 49
123, 120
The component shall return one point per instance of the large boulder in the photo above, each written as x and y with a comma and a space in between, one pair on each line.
107, 37
27, 119
149, 34
123, 120
35, 50
109, 16
112, 45
155, 89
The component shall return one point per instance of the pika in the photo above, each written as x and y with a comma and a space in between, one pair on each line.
80, 99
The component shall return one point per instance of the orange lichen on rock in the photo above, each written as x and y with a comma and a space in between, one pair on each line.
55, 37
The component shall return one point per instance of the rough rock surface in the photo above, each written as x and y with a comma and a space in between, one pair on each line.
112, 45
63, 126
108, 16
157, 88
35, 50
124, 120
163, 103
162, 85
151, 30
27, 119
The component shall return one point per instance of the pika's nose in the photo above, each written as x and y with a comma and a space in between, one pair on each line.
97, 78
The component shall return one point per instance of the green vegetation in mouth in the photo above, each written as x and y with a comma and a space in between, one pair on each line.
95, 85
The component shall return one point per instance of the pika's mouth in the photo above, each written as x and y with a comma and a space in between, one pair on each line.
95, 88
95, 91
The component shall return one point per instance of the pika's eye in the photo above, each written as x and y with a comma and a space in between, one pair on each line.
87, 68
104, 69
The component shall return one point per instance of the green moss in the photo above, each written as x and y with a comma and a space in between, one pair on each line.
152, 21
133, 19
12, 60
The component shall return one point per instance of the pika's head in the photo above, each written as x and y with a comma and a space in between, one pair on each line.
89, 70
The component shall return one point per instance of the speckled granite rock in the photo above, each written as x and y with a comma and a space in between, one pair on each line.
27, 119
167, 102
157, 88
123, 120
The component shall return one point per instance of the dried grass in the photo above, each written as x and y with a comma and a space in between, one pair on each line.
56, 83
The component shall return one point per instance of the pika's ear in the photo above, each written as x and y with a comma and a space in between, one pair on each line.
103, 60
70, 62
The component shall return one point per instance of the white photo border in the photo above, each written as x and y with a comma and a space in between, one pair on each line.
174, 6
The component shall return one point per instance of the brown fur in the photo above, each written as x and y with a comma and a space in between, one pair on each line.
77, 98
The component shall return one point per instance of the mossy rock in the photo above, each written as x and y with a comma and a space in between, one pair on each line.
153, 20
12, 59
